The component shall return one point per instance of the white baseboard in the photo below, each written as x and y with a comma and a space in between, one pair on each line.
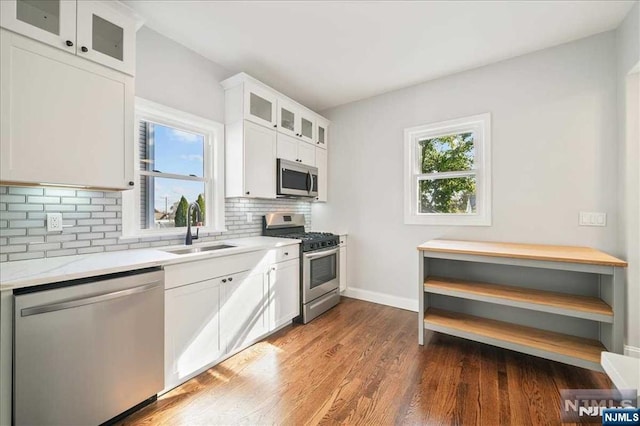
632, 351
381, 298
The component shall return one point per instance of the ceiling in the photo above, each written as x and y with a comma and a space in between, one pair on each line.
328, 53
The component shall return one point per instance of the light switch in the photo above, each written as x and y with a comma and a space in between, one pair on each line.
54, 222
593, 219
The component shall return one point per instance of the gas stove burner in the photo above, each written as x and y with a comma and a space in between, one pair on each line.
306, 236
312, 240
291, 225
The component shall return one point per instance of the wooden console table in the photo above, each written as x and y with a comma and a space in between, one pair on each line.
556, 302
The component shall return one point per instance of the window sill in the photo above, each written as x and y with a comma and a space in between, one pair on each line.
176, 232
448, 220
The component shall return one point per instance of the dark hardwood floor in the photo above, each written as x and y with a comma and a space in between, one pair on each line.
360, 363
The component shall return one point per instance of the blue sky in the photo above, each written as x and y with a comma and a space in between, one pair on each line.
177, 152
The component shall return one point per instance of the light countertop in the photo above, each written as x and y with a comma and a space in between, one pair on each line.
27, 273
624, 371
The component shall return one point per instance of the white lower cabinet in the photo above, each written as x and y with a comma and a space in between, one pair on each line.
211, 311
244, 311
343, 262
192, 330
284, 293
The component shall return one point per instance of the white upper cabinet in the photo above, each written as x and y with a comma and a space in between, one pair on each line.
288, 118
250, 167
100, 31
307, 127
295, 121
106, 36
63, 120
260, 105
52, 22
250, 160
292, 149
321, 164
322, 133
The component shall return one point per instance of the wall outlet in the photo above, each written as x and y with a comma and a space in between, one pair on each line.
54, 222
593, 219
249, 217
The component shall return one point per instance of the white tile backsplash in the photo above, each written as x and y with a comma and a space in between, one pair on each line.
93, 221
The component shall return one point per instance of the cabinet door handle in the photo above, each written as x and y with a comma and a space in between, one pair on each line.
248, 193
69, 43
275, 125
286, 253
224, 280
230, 279
84, 49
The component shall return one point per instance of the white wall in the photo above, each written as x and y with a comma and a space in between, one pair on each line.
171, 74
554, 154
628, 56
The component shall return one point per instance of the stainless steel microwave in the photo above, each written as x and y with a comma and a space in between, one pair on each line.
296, 179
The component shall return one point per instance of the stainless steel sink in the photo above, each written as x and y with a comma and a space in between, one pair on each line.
192, 250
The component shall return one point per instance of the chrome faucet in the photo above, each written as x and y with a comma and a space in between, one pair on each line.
189, 239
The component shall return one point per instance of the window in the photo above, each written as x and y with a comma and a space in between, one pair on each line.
180, 160
448, 172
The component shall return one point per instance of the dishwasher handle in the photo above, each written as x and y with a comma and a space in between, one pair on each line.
41, 309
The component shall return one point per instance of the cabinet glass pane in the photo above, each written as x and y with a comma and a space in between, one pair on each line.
260, 107
107, 38
44, 14
287, 119
307, 128
320, 134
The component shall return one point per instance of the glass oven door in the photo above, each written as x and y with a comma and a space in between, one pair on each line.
321, 273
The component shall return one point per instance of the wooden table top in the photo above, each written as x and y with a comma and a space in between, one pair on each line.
569, 254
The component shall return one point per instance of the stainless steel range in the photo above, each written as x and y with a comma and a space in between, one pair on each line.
319, 257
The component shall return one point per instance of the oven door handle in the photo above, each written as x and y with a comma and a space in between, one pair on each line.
309, 182
321, 253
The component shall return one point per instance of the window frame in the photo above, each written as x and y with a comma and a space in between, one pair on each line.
480, 126
213, 169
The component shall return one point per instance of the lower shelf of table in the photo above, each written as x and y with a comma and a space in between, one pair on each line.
545, 344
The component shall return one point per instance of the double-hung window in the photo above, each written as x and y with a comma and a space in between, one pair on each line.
448, 172
179, 162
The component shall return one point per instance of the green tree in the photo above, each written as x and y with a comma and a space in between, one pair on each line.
447, 154
181, 212
200, 202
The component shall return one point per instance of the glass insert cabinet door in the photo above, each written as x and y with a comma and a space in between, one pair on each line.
106, 36
306, 129
49, 21
260, 106
287, 118
321, 134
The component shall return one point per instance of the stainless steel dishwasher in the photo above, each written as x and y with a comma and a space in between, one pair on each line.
88, 350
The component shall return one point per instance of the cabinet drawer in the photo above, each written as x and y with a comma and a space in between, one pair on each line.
287, 253
200, 270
